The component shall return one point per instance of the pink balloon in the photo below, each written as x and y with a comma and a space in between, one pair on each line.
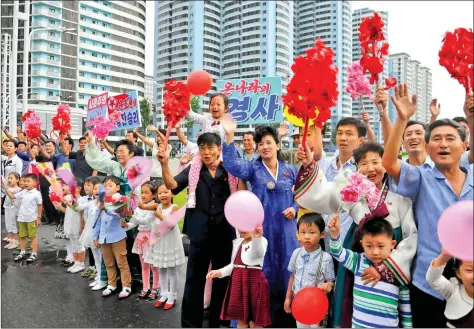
244, 211
455, 229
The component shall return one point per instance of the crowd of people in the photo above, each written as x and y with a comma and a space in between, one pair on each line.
380, 265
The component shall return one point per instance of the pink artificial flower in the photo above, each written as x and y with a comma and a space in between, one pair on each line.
350, 193
357, 83
373, 198
132, 173
356, 179
366, 186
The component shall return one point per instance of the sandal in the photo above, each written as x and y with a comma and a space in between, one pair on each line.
33, 258
108, 291
20, 257
144, 294
124, 293
153, 294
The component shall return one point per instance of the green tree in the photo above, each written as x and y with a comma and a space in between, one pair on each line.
145, 114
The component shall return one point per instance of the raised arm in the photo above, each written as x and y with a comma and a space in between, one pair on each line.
144, 139
435, 110
198, 118
106, 146
166, 174
370, 131
435, 277
406, 107
469, 113
233, 163
346, 257
7, 133
182, 138
381, 100
97, 160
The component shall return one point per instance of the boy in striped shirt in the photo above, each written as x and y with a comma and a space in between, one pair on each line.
380, 305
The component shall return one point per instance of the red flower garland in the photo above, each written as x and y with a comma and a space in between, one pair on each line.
456, 55
176, 104
373, 48
62, 120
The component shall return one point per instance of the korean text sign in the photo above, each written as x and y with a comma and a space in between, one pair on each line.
129, 106
97, 106
253, 101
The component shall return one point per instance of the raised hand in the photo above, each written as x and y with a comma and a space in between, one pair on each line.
435, 108
187, 158
89, 136
305, 155
381, 99
334, 226
469, 108
283, 130
365, 117
229, 124
406, 107
258, 231
163, 155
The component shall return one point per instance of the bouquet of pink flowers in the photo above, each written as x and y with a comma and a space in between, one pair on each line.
358, 188
115, 201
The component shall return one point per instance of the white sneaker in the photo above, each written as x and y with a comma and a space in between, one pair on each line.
78, 268
71, 268
6, 239
13, 245
95, 282
101, 285
10, 242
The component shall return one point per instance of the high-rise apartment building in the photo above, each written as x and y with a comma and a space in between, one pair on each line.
150, 89
105, 53
232, 39
331, 21
369, 106
419, 81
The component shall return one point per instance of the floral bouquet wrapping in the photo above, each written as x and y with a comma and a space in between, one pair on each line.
354, 188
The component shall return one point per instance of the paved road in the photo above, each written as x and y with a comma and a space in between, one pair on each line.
45, 295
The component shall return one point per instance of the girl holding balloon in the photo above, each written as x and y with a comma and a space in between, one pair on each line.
248, 297
272, 181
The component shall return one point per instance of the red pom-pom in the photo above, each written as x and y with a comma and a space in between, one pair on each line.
390, 83
373, 48
26, 115
456, 55
62, 120
313, 89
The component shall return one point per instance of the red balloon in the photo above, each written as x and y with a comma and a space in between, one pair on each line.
199, 82
310, 305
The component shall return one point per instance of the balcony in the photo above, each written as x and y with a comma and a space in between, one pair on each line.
56, 3
45, 61
45, 36
45, 12
51, 74
43, 24
46, 49
37, 84
42, 97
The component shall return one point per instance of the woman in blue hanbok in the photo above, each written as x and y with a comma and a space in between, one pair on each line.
272, 181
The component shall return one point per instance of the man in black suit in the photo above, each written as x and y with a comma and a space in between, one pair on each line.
209, 232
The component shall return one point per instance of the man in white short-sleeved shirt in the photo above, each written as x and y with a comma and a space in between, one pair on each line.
29, 216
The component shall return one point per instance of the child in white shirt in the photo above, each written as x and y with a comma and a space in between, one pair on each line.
29, 216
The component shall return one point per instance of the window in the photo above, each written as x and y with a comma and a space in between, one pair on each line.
50, 81
104, 24
83, 8
51, 45
83, 63
94, 87
106, 15
102, 77
81, 96
83, 30
52, 10
50, 93
104, 89
95, 11
52, 34
103, 46
94, 44
94, 76
94, 22
104, 67
94, 54
52, 22
103, 56
94, 66
51, 58
83, 52
104, 36
83, 18
81, 85
93, 32
81, 74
